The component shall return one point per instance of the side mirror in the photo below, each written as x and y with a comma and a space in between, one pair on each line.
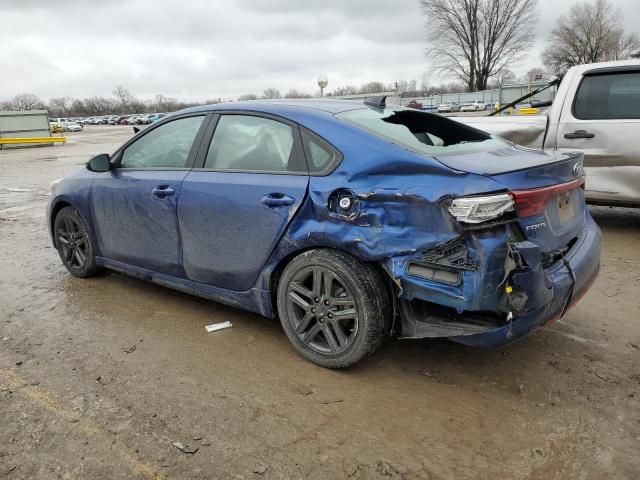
99, 163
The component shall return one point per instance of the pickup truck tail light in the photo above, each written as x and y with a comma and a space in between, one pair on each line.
534, 201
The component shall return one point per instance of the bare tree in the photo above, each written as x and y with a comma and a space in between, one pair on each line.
124, 97
165, 104
372, 87
590, 32
248, 96
61, 106
271, 93
474, 40
27, 101
293, 93
346, 90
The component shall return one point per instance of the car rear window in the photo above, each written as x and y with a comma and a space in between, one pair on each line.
421, 132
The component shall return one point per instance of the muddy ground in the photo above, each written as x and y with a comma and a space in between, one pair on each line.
98, 377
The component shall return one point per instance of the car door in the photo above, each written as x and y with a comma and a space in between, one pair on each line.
134, 204
236, 204
604, 122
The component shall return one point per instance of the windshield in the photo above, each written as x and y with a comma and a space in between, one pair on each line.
422, 132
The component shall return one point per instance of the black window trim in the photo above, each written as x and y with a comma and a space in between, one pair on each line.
206, 142
116, 158
601, 72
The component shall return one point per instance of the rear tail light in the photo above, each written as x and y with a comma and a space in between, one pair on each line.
534, 201
526, 203
480, 209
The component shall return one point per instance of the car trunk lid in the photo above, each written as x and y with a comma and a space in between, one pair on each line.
548, 195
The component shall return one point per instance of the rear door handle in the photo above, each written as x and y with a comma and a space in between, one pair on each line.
579, 134
162, 191
277, 200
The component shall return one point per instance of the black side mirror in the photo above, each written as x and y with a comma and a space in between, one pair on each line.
99, 163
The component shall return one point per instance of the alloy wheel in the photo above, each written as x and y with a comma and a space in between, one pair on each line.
72, 242
322, 310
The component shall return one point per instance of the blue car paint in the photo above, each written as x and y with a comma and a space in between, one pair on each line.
398, 214
123, 211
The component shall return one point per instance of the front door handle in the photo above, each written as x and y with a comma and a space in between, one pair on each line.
162, 191
277, 200
579, 134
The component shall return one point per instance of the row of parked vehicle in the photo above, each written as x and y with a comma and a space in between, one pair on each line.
133, 119
474, 106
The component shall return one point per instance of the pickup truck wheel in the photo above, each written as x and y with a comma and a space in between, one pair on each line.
333, 308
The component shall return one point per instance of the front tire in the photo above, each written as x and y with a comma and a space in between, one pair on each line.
74, 244
333, 308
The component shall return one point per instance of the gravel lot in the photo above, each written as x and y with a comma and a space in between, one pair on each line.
98, 377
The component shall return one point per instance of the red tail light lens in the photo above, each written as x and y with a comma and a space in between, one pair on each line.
534, 201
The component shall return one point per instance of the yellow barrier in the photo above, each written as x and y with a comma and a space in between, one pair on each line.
528, 111
14, 141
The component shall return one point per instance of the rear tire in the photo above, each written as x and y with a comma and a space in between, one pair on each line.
73, 243
333, 308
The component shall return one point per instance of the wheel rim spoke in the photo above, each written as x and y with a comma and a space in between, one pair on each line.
298, 300
340, 336
312, 333
348, 313
304, 323
302, 290
333, 343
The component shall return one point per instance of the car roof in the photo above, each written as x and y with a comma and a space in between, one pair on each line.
613, 66
319, 105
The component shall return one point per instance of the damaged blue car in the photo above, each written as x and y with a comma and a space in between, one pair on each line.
350, 221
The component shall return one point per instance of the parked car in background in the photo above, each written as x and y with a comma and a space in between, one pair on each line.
448, 107
150, 118
71, 126
133, 119
596, 111
474, 106
157, 116
353, 221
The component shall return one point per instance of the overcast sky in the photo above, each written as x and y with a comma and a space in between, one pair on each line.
204, 49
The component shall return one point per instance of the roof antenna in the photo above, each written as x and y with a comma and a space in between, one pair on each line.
377, 102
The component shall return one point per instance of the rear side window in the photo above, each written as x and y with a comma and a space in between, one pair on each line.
320, 155
612, 96
251, 143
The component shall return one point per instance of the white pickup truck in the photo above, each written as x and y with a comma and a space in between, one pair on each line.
596, 111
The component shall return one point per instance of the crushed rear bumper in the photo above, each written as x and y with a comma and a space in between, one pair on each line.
478, 315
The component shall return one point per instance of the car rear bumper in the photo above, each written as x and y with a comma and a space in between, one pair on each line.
477, 310
570, 280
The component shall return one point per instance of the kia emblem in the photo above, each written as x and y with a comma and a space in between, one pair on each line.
576, 169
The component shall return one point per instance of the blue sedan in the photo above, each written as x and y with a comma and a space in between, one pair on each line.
351, 222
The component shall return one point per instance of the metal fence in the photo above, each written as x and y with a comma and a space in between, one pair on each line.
27, 124
503, 95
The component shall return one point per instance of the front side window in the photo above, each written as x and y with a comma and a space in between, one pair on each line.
167, 146
611, 96
248, 143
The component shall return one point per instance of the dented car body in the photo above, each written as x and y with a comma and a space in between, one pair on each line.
480, 241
